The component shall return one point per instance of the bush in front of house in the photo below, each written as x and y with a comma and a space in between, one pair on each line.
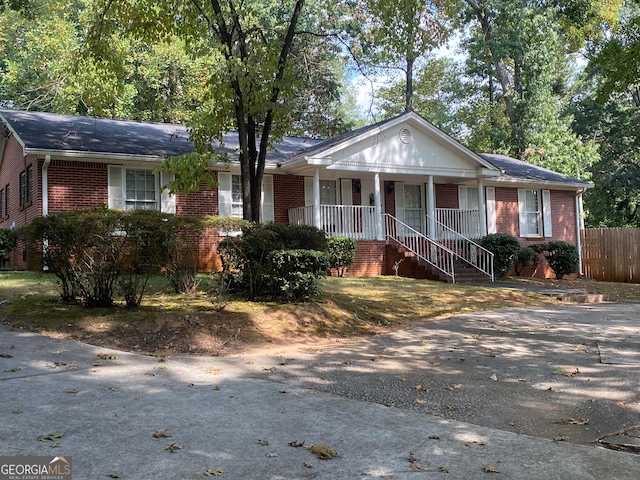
251, 258
342, 253
524, 258
84, 249
7, 244
562, 257
99, 253
505, 249
295, 274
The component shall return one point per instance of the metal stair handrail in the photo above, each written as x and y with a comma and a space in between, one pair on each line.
426, 249
467, 250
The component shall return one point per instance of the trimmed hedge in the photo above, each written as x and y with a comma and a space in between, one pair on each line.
98, 253
342, 253
7, 244
562, 257
263, 264
505, 249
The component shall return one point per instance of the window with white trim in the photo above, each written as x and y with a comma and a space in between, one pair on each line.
328, 192
140, 190
534, 207
533, 213
26, 190
468, 198
413, 211
6, 202
236, 196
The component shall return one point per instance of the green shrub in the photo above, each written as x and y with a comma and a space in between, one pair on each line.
7, 244
295, 274
524, 258
562, 258
505, 249
92, 252
248, 255
85, 249
342, 253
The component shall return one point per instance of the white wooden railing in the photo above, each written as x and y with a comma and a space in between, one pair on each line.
464, 222
466, 249
420, 245
354, 221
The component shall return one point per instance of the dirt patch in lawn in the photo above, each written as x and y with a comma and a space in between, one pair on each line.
169, 324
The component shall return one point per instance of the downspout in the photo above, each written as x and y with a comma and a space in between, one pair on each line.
45, 201
45, 185
579, 228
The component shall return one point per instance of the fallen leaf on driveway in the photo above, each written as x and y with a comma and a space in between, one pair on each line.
323, 452
296, 443
573, 421
173, 447
415, 464
214, 471
162, 433
419, 401
107, 356
490, 469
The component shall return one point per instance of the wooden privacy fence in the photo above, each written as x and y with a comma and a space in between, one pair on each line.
611, 254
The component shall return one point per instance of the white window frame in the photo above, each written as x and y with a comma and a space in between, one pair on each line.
541, 214
137, 202
420, 209
230, 202
465, 194
117, 189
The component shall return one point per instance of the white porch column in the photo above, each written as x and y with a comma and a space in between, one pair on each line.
317, 212
380, 234
482, 207
431, 207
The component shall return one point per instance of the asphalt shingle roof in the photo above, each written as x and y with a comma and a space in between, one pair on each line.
48, 131
514, 169
54, 132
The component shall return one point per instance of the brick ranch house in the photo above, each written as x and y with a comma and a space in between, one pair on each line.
402, 188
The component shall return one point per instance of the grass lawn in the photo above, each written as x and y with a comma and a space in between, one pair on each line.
168, 323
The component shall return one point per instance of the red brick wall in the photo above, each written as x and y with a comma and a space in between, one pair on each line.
369, 260
288, 192
13, 163
389, 197
76, 185
446, 195
202, 202
563, 216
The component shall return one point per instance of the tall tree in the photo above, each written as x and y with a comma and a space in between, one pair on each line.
392, 35
43, 67
520, 48
608, 111
249, 91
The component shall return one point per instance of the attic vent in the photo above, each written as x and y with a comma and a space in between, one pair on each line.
405, 135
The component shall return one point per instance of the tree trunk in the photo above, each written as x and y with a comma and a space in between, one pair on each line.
408, 95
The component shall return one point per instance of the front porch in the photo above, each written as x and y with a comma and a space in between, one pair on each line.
363, 223
447, 254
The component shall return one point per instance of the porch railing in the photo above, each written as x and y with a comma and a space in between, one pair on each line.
464, 222
354, 221
420, 245
466, 249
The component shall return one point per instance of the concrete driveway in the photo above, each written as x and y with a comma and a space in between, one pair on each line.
445, 399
